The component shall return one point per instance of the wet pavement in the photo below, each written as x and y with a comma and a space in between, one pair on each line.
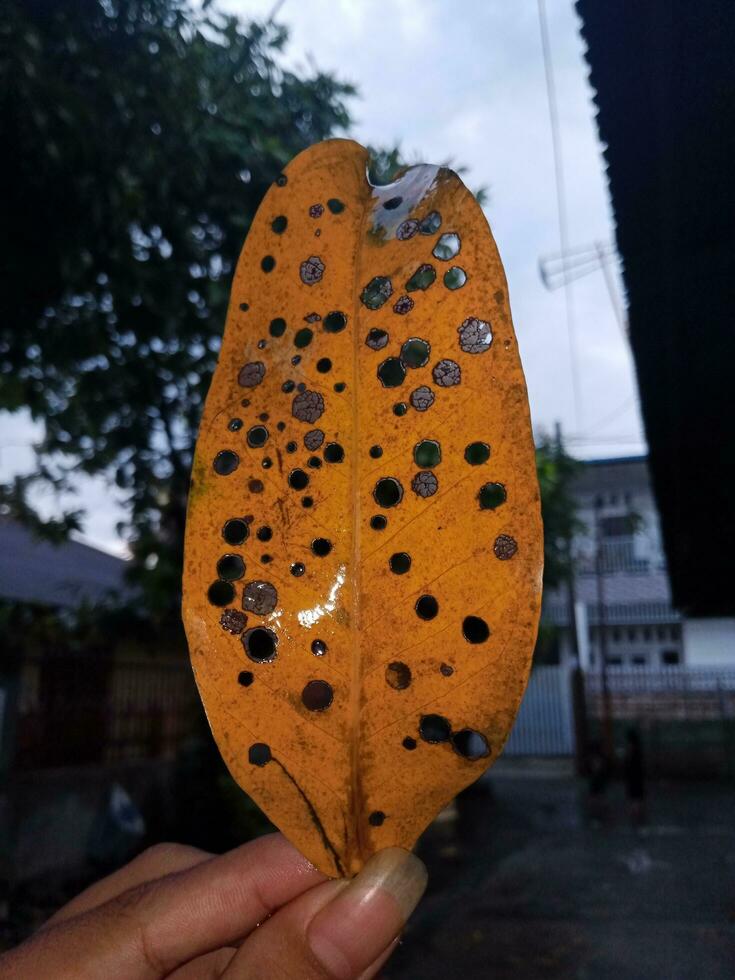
523, 885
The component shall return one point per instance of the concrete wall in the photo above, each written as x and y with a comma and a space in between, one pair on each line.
709, 642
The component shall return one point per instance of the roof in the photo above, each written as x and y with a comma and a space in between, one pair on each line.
626, 473
65, 575
664, 77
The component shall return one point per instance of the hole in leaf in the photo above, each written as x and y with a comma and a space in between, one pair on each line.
318, 648
427, 453
230, 567
477, 453
426, 607
335, 321
434, 728
415, 352
257, 436
260, 644
259, 754
321, 547
333, 452
491, 495
220, 593
245, 678
391, 372
277, 327
388, 491
400, 562
235, 531
225, 462
447, 246
475, 629
470, 744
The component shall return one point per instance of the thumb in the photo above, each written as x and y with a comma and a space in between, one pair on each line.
340, 930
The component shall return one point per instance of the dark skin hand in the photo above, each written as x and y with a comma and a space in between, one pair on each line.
260, 911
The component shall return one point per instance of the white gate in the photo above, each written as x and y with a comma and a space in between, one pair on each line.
544, 725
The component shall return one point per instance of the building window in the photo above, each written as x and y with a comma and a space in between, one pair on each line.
661, 633
631, 635
670, 658
639, 660
647, 634
616, 636
675, 632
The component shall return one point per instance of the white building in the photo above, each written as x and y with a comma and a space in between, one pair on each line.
621, 570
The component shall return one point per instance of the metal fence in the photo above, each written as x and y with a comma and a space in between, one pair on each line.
677, 693
86, 709
544, 725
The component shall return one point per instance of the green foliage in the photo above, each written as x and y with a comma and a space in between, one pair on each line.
556, 472
142, 135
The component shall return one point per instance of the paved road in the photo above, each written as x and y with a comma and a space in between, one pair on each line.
523, 887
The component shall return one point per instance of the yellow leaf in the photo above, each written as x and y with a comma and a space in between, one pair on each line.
363, 547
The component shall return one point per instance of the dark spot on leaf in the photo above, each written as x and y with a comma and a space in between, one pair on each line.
279, 224
260, 598
234, 425
422, 398
425, 484
398, 675
267, 263
318, 648
233, 621
245, 677
407, 230
264, 533
321, 547
446, 670
475, 336
409, 743
335, 205
316, 210
313, 439
400, 562
255, 486
403, 305
378, 522
376, 818
317, 695
376, 452
307, 406
298, 479
277, 327
323, 365
400, 408
251, 374
311, 270
333, 452
303, 337
447, 373
505, 547
297, 569
426, 607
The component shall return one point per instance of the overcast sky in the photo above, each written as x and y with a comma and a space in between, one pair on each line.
466, 81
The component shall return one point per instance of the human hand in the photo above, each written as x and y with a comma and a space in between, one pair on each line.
260, 912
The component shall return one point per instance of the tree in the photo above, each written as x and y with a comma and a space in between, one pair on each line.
140, 138
556, 472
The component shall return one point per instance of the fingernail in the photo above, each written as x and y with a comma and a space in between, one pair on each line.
353, 930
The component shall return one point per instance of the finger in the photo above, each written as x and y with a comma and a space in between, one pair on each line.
147, 932
157, 861
338, 931
211, 966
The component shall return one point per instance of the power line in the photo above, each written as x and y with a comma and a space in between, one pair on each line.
561, 207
